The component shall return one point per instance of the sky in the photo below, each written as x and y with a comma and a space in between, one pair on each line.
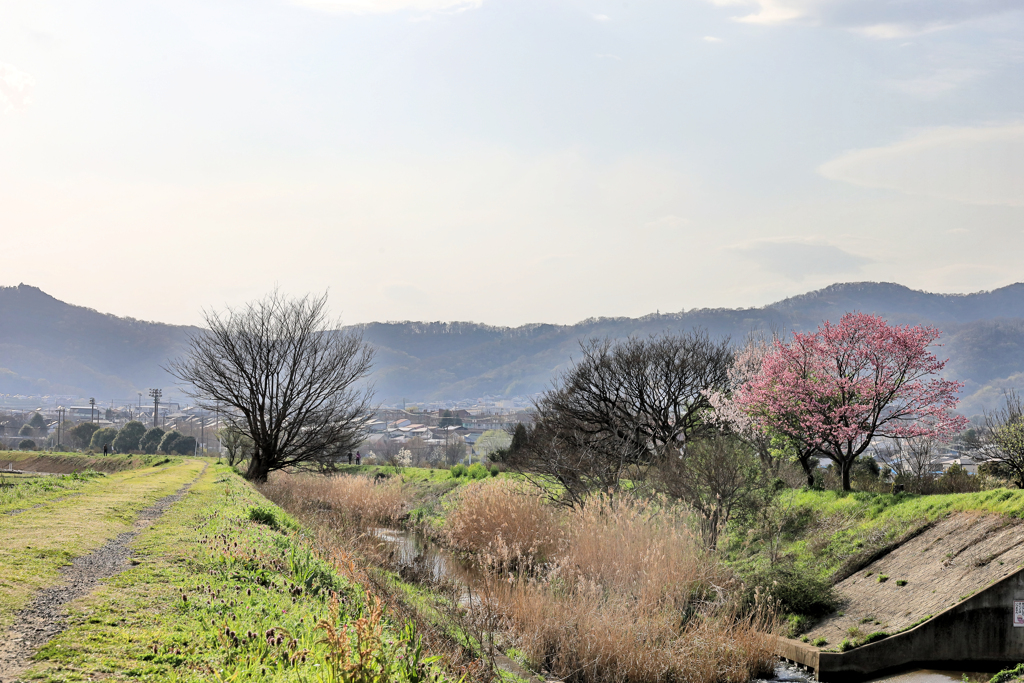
507, 161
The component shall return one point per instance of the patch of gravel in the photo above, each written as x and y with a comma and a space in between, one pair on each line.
46, 616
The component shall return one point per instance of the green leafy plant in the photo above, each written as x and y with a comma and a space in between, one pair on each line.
820, 642
901, 582
882, 578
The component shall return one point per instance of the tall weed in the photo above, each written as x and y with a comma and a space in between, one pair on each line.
628, 593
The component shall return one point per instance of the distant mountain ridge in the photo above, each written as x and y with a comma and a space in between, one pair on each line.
48, 346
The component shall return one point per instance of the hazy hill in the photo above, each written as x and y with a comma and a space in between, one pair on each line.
47, 346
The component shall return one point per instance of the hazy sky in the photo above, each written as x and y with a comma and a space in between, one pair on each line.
507, 161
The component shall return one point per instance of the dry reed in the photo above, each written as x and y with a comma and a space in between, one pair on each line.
349, 504
629, 593
502, 522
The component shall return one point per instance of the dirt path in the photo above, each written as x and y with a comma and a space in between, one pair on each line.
45, 616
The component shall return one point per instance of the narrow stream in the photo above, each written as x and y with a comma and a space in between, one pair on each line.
418, 551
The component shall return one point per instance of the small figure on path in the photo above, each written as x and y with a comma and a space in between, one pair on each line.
358, 458
104, 449
350, 457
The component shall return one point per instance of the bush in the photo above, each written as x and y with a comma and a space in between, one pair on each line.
26, 445
798, 592
103, 437
167, 443
476, 471
495, 471
264, 516
150, 442
129, 436
458, 470
26, 430
186, 445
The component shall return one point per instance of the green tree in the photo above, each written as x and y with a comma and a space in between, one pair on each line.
103, 437
26, 445
449, 419
38, 423
167, 443
237, 443
491, 441
185, 445
520, 438
150, 442
81, 433
129, 436
26, 430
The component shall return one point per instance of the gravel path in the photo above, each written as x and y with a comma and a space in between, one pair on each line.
45, 616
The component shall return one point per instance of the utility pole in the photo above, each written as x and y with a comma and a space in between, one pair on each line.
60, 416
155, 393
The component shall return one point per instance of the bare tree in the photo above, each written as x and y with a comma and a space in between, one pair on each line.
912, 462
717, 474
1004, 433
289, 375
236, 443
621, 406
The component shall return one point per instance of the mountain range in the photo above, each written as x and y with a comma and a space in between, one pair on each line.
51, 347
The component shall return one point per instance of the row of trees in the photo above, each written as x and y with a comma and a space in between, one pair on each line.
132, 437
689, 416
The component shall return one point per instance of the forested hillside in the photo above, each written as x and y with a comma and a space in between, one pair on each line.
48, 346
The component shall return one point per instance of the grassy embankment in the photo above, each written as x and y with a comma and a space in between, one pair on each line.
224, 586
621, 591
64, 517
67, 463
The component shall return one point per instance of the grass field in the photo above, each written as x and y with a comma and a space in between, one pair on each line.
60, 518
822, 531
223, 586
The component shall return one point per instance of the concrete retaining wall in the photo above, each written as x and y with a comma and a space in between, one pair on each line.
979, 629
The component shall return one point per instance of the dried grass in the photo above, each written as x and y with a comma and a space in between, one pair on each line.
503, 522
349, 504
628, 593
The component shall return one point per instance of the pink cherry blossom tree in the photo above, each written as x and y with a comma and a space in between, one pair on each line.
837, 389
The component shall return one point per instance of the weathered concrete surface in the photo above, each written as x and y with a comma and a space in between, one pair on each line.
966, 571
955, 558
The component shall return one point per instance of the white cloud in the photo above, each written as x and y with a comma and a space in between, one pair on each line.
388, 6
602, 17
935, 84
874, 18
982, 165
15, 88
712, 39
798, 259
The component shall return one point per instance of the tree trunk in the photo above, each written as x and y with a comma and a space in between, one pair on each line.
846, 466
258, 470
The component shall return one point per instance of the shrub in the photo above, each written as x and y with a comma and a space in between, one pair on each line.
129, 436
820, 642
476, 471
168, 441
873, 637
847, 645
495, 471
901, 582
103, 437
264, 516
186, 445
882, 578
458, 470
796, 591
150, 442
26, 445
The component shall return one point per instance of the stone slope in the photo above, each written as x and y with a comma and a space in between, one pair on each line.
947, 563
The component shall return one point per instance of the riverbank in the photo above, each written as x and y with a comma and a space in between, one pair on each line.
620, 591
220, 584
